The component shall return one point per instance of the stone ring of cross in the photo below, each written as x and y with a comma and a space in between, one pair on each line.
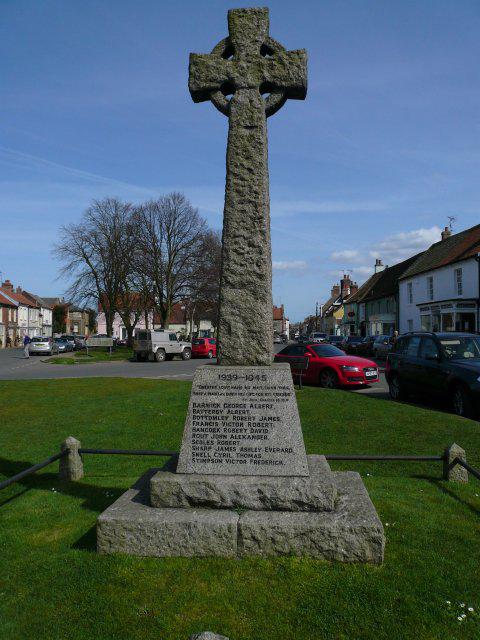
248, 61
275, 99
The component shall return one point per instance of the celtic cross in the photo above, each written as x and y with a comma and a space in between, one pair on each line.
246, 66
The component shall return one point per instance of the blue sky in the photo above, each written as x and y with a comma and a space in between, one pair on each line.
94, 102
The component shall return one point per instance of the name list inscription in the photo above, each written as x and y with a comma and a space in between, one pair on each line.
241, 422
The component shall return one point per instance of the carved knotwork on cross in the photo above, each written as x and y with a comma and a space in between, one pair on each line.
247, 65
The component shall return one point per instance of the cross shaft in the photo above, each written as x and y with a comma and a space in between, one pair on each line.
245, 65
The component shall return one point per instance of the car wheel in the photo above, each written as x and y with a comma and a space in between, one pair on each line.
160, 355
328, 379
396, 388
210, 355
462, 402
186, 354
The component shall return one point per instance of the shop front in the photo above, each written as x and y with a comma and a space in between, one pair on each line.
450, 316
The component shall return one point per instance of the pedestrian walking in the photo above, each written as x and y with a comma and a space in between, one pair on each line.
26, 344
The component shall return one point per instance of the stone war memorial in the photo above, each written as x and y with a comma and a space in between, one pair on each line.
242, 484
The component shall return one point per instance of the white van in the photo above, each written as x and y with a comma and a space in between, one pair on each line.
159, 345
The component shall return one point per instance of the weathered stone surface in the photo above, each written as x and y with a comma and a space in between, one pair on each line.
243, 421
454, 473
130, 525
316, 492
71, 465
352, 533
207, 635
258, 65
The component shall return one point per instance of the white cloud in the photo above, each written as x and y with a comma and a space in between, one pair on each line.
347, 254
401, 246
289, 265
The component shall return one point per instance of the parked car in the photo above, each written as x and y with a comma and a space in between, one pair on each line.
63, 345
204, 348
446, 365
160, 345
365, 348
331, 367
351, 344
336, 340
41, 345
71, 339
277, 339
316, 336
121, 342
382, 346
302, 339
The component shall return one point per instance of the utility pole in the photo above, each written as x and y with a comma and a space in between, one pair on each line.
316, 316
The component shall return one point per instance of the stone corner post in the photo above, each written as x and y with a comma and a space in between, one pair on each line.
71, 465
451, 472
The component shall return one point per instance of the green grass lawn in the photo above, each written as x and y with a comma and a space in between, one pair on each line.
99, 354
54, 586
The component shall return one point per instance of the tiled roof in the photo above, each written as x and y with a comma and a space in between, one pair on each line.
6, 301
365, 289
386, 285
41, 301
21, 298
460, 246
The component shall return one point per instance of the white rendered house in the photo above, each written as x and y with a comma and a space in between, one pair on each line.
441, 290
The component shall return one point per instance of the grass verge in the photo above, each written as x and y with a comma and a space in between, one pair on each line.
53, 585
94, 355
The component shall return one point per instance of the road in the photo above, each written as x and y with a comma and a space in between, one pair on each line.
13, 366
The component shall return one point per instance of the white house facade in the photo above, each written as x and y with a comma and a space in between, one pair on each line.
445, 297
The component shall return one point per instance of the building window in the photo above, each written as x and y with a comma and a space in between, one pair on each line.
426, 323
430, 287
410, 293
410, 325
459, 281
448, 323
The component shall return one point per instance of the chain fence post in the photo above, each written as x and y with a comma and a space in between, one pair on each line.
454, 472
71, 465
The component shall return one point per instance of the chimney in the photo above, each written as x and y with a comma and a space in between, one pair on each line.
8, 286
335, 290
345, 284
379, 266
19, 289
446, 233
353, 288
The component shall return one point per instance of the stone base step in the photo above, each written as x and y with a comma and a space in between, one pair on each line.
315, 492
350, 533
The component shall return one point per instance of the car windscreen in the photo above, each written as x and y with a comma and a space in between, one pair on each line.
37, 339
335, 338
460, 347
355, 339
142, 335
326, 350
198, 341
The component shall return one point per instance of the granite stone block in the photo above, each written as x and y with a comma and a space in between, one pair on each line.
352, 533
316, 492
130, 525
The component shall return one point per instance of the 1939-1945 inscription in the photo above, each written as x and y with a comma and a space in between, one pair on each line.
243, 421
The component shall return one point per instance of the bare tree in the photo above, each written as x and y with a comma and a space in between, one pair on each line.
96, 256
205, 289
171, 234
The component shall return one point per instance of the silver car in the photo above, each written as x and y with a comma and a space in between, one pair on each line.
42, 345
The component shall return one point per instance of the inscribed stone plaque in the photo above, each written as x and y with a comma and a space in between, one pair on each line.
243, 421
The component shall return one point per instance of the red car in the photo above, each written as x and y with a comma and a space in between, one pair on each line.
329, 366
204, 348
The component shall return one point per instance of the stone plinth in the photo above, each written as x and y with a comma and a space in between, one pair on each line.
243, 421
315, 492
130, 525
352, 532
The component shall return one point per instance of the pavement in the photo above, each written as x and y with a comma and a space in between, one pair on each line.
13, 366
